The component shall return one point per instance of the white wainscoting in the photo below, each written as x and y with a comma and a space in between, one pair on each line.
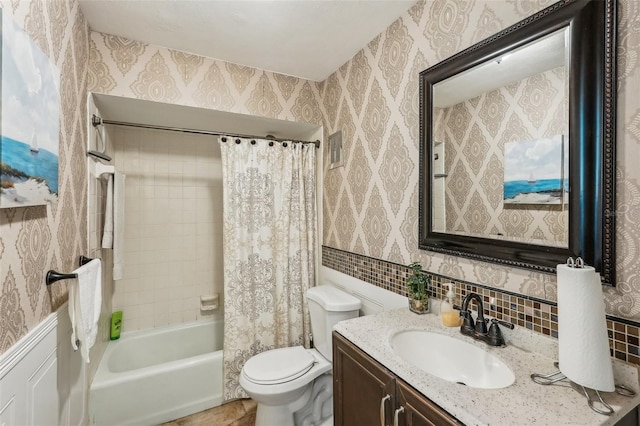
42, 380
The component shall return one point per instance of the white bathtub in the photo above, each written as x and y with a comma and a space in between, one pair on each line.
152, 376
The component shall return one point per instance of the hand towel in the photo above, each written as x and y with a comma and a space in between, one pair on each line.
85, 300
107, 233
113, 233
118, 225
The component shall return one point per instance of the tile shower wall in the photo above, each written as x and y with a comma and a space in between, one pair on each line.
537, 315
173, 230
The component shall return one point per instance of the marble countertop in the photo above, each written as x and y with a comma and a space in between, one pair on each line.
522, 403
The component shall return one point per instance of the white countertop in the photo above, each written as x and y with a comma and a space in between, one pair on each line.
522, 403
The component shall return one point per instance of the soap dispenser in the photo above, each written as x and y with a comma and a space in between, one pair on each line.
450, 315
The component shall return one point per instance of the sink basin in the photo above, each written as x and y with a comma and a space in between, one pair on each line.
452, 359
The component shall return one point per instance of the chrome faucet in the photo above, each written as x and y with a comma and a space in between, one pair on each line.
478, 329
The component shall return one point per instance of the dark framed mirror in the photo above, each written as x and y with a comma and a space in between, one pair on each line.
517, 143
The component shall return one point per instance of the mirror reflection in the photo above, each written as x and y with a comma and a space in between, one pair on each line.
500, 146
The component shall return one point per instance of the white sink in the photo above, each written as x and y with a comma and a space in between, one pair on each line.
452, 359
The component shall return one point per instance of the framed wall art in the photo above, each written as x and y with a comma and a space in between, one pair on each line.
29, 128
536, 171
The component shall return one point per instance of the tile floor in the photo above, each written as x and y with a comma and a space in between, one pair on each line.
236, 413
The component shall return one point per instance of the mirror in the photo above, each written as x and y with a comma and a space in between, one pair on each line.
517, 137
499, 146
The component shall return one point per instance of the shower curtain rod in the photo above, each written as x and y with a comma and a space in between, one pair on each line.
96, 121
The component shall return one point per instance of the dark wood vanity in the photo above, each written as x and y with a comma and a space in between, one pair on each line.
365, 393
367, 368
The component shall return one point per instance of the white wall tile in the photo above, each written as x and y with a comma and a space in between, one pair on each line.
146, 323
173, 212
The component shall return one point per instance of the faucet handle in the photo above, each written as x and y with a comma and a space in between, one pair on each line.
509, 325
468, 325
494, 336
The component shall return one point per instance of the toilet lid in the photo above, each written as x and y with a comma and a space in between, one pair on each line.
278, 365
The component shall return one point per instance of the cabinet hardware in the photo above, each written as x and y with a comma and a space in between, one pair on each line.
397, 413
383, 410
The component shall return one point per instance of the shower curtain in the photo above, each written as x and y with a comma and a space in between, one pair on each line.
269, 234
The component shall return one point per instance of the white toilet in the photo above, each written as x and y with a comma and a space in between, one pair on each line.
282, 380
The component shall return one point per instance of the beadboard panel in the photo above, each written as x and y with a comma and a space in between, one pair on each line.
42, 381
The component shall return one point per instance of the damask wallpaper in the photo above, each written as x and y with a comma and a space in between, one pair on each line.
35, 239
370, 206
532, 108
132, 69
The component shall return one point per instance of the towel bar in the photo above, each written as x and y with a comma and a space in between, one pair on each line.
53, 276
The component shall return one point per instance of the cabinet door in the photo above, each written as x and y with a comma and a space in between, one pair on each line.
362, 388
418, 410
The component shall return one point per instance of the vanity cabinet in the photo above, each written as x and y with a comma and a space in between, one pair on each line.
365, 393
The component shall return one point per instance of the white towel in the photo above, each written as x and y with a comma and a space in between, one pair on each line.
85, 300
113, 233
118, 225
107, 233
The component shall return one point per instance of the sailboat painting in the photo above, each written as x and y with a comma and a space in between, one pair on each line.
34, 143
29, 127
535, 171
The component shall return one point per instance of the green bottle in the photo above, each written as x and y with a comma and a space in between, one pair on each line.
116, 325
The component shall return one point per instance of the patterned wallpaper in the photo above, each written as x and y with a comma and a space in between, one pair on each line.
132, 69
370, 206
35, 239
474, 133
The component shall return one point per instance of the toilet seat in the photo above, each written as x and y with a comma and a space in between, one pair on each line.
278, 365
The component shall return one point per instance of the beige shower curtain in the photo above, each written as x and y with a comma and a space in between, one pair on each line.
269, 236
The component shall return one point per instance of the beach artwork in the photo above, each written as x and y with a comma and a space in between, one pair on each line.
536, 171
29, 128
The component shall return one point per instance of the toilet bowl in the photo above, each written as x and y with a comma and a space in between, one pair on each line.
281, 380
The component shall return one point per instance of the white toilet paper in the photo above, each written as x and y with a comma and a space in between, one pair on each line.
582, 329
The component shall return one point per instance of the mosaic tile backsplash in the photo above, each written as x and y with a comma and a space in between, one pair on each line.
535, 314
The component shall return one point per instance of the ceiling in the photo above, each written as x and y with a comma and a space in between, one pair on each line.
541, 55
309, 39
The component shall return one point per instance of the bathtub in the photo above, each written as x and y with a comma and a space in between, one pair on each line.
152, 376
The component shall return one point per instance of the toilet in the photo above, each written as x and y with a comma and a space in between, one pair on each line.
293, 386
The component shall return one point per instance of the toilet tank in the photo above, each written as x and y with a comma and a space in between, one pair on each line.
329, 305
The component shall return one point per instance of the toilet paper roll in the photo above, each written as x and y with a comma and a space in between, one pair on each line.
582, 329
